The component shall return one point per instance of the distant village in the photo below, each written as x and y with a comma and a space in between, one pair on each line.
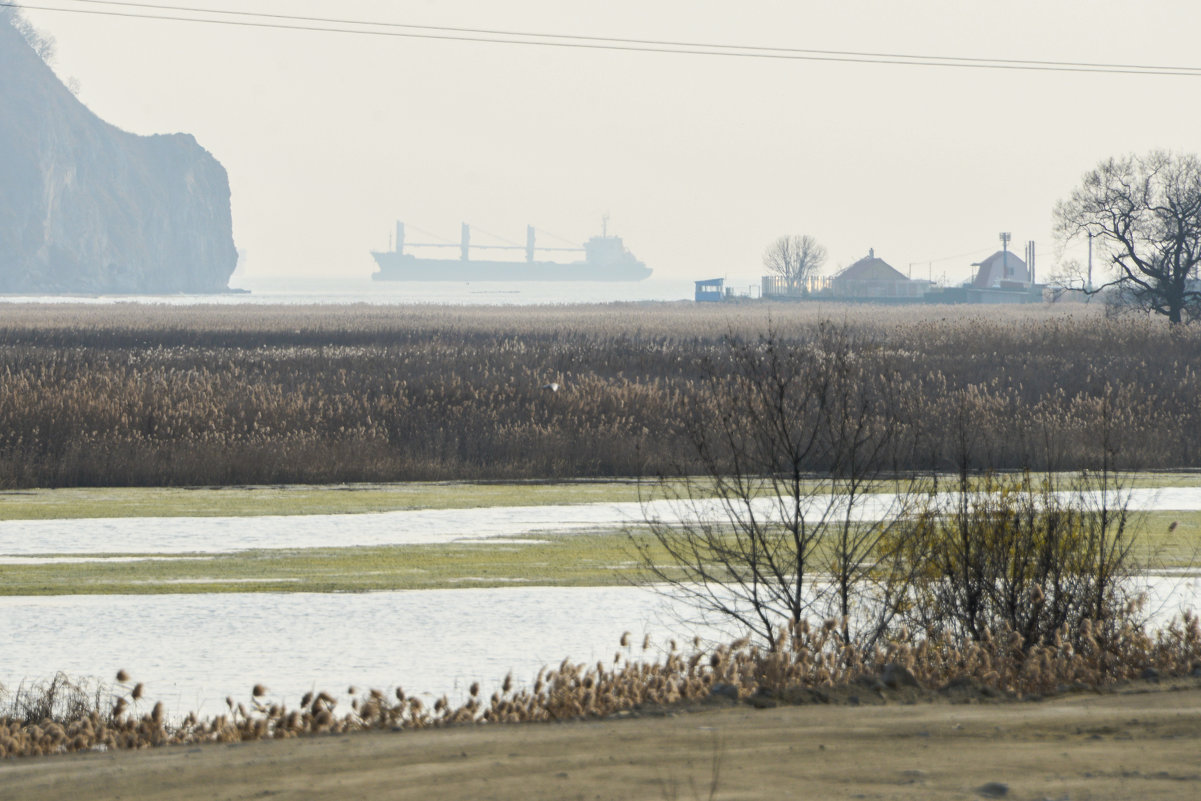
1003, 277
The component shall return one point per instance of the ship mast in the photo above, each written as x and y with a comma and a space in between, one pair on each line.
465, 245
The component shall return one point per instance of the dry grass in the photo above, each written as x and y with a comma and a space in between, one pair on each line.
150, 396
804, 664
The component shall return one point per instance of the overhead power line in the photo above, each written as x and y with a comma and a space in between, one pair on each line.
976, 252
251, 19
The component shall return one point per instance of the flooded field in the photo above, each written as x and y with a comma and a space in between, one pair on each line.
183, 535
192, 651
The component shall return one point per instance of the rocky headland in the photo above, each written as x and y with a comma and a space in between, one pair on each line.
86, 208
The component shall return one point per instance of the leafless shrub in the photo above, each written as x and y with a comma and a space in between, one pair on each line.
792, 437
1024, 554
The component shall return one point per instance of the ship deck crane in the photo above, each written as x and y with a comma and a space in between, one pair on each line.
464, 245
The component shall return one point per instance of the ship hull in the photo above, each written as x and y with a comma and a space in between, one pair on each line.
406, 267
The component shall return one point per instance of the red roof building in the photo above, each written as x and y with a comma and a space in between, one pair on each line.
872, 277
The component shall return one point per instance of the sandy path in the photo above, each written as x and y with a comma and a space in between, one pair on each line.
1135, 744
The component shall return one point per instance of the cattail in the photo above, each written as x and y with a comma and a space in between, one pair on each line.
258, 691
137, 691
122, 676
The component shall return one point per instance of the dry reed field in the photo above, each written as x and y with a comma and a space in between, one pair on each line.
806, 664
134, 395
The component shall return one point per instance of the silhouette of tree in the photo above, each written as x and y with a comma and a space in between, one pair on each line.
794, 258
1144, 213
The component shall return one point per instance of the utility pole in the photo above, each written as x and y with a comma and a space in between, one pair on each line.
1090, 261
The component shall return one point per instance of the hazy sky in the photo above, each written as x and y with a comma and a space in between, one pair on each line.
699, 161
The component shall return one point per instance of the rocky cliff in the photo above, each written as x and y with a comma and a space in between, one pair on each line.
88, 208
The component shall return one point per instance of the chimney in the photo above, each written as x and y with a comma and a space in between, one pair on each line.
871, 253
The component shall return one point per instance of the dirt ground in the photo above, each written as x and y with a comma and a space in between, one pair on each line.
1141, 742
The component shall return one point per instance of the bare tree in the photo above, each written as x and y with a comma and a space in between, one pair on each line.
794, 438
795, 258
42, 44
1144, 214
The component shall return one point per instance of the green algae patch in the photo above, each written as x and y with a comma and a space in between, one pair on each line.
255, 501
578, 559
1167, 540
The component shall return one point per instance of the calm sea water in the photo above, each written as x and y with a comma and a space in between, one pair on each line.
358, 289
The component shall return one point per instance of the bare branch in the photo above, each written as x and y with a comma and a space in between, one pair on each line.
795, 258
1144, 213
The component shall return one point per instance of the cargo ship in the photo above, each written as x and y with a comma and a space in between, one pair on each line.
605, 259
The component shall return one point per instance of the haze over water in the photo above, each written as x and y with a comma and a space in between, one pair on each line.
306, 290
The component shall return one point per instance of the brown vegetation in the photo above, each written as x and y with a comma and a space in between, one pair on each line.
804, 664
136, 395
1140, 741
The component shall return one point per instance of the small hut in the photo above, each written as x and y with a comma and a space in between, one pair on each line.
710, 290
